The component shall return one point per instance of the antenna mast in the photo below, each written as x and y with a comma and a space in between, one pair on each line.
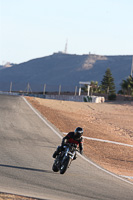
65, 51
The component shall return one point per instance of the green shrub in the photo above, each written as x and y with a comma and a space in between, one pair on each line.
112, 97
89, 99
85, 100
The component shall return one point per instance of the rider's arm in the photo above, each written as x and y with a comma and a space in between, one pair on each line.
65, 139
81, 146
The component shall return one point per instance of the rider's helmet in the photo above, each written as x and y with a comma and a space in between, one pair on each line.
78, 132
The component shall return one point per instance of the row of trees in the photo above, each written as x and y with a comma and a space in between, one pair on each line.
107, 86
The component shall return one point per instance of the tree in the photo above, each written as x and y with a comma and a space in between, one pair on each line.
127, 86
94, 88
107, 84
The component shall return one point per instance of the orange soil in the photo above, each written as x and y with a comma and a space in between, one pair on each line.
104, 121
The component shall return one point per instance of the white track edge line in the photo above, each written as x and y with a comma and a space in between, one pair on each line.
78, 153
108, 141
42, 118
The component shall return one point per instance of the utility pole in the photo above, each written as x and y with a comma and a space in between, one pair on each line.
75, 90
132, 68
88, 90
59, 89
44, 89
28, 88
10, 87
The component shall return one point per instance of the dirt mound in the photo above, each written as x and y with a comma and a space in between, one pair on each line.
106, 121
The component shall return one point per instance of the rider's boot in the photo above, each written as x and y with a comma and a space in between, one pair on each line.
75, 157
55, 154
58, 150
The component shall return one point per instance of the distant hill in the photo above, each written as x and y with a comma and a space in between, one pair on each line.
1, 67
64, 69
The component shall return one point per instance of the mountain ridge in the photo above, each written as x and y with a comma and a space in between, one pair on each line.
66, 70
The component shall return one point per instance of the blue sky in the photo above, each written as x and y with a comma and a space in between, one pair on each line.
36, 28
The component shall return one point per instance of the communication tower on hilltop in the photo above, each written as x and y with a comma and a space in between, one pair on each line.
132, 67
65, 51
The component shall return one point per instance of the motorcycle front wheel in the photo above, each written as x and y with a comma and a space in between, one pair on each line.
64, 165
55, 168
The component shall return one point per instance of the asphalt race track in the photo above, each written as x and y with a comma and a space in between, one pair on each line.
26, 148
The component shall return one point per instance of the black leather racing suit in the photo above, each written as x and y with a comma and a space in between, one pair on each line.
70, 138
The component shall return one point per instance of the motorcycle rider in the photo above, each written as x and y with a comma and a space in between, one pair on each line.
72, 137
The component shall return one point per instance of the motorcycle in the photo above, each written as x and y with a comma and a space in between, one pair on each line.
64, 159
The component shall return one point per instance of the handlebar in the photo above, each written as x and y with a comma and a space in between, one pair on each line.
71, 145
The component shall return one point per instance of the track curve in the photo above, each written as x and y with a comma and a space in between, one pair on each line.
26, 148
